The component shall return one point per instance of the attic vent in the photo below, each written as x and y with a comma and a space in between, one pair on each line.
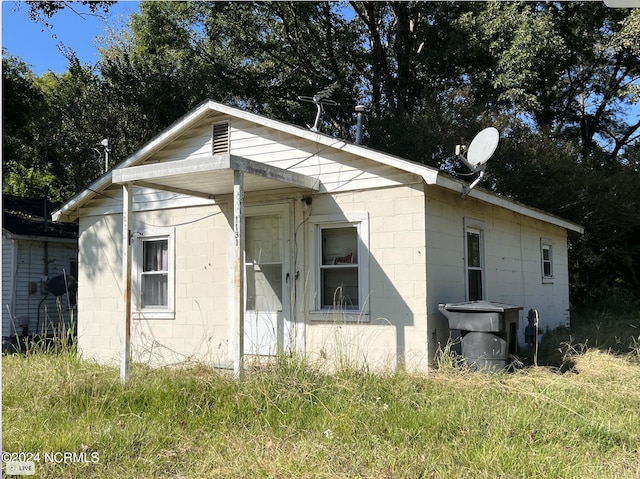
221, 138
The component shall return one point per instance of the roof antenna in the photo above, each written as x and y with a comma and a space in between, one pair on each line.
105, 145
319, 100
479, 151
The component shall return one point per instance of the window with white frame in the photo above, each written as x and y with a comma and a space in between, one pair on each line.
155, 274
341, 262
474, 261
546, 256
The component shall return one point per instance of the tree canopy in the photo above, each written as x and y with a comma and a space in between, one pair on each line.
561, 81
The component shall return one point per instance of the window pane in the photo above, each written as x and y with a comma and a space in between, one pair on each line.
475, 284
154, 289
264, 287
263, 239
473, 249
155, 255
339, 287
340, 245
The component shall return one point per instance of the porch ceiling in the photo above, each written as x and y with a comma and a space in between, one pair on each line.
212, 176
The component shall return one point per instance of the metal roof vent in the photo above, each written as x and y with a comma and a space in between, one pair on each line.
220, 138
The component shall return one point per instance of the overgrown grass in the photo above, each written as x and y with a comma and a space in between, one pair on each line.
611, 330
290, 419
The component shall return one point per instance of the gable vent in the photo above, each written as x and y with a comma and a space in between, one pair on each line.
221, 138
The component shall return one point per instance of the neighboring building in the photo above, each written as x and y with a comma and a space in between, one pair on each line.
347, 251
34, 252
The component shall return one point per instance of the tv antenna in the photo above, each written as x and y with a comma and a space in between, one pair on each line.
105, 146
320, 99
482, 147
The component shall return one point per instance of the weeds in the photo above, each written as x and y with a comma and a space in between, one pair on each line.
290, 418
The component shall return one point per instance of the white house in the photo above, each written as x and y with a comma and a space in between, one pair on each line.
232, 234
34, 251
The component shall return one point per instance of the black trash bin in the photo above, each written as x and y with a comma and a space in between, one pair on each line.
488, 332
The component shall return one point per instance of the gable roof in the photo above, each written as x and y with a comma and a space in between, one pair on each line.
431, 176
26, 217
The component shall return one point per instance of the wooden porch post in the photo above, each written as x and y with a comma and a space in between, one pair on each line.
125, 353
238, 274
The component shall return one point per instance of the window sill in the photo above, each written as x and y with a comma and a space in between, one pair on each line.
548, 280
342, 316
153, 315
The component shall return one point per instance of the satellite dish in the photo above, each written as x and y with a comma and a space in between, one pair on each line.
482, 147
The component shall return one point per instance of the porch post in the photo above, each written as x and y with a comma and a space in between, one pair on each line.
125, 352
238, 271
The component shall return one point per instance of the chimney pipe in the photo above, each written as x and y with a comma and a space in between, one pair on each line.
360, 109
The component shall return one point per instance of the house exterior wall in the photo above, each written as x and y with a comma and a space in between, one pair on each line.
512, 261
22, 277
416, 244
199, 330
397, 327
394, 333
8, 275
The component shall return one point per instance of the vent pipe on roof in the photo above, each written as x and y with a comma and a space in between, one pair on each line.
360, 109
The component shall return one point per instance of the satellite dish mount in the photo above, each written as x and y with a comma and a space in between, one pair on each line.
478, 153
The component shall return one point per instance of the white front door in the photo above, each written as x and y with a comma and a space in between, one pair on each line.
267, 279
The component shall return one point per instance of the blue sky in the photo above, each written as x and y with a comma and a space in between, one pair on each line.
38, 47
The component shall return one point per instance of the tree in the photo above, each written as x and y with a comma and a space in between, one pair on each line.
24, 169
43, 11
560, 80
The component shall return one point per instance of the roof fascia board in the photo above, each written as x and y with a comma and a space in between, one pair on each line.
509, 204
268, 171
48, 239
170, 168
68, 211
430, 175
148, 173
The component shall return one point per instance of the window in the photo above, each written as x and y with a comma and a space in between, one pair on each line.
220, 138
546, 254
154, 275
474, 262
154, 278
339, 268
341, 277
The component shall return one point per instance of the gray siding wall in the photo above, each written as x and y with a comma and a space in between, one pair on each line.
42, 311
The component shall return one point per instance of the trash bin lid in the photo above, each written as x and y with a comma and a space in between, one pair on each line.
481, 306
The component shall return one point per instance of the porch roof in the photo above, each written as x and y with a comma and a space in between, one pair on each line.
212, 176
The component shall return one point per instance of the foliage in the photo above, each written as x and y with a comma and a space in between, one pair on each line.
42, 11
560, 80
23, 170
